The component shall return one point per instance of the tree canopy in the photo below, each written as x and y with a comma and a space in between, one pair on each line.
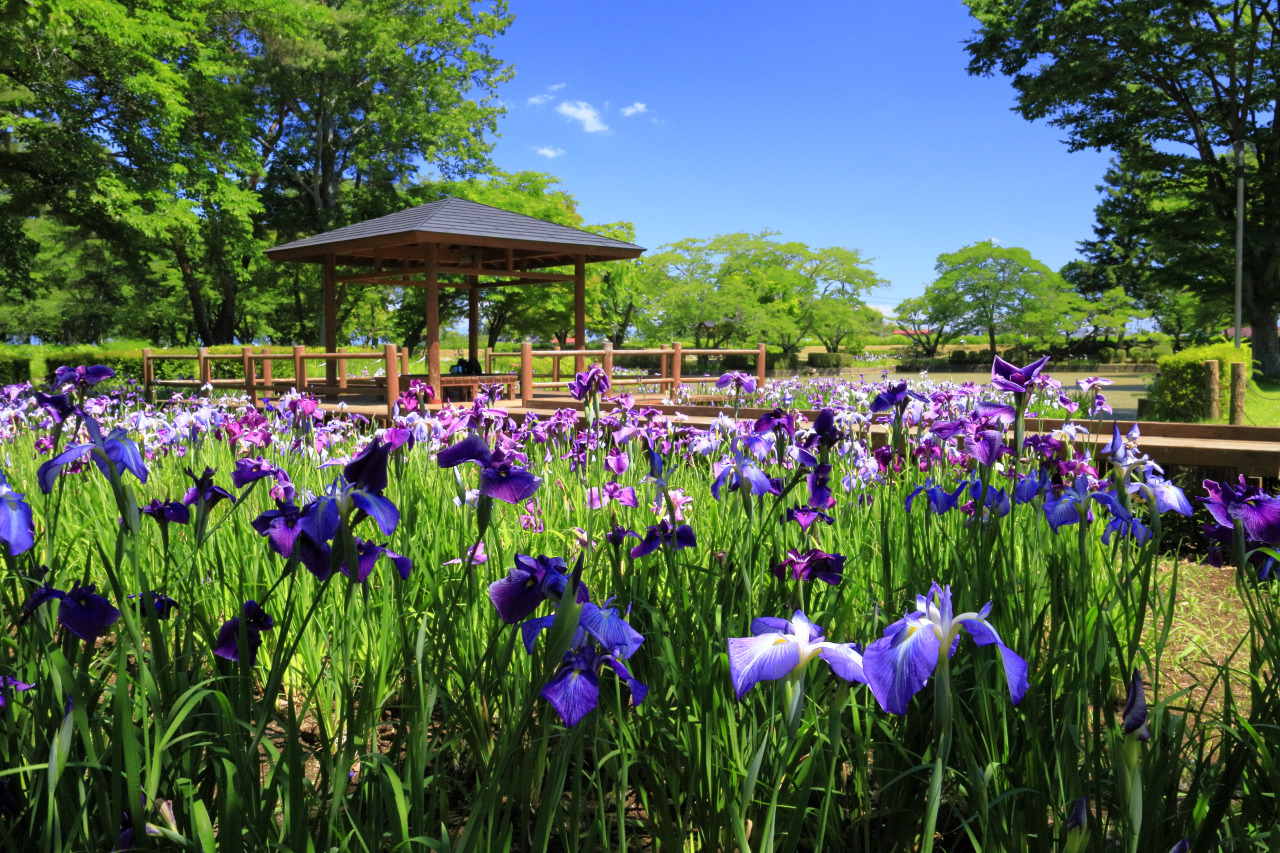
1175, 83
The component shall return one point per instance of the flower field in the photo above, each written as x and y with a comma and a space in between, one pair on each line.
897, 622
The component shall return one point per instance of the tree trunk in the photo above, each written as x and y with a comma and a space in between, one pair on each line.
199, 314
991, 336
1266, 344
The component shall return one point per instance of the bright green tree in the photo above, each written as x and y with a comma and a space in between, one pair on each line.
996, 284
1175, 84
933, 318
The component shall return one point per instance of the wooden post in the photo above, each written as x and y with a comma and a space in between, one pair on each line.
404, 361
299, 369
266, 371
760, 365
330, 341
1239, 386
148, 375
579, 311
555, 365
342, 368
663, 372
473, 319
202, 365
250, 375
433, 324
392, 359
488, 360
677, 367
1212, 391
607, 361
526, 373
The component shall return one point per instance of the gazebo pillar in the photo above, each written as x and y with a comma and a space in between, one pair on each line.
473, 318
433, 323
329, 320
579, 310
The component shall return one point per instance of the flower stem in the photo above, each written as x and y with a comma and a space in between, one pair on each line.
941, 725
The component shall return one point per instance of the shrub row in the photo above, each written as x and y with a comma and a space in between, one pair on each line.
1177, 394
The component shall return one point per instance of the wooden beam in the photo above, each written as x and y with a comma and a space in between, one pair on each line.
395, 277
579, 310
433, 324
473, 320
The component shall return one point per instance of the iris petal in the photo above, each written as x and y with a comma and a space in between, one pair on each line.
763, 658
899, 663
574, 693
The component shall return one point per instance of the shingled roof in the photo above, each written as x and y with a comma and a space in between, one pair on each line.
466, 233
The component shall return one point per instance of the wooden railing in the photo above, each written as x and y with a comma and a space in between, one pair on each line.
670, 365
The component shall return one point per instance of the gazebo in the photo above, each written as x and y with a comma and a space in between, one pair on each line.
455, 237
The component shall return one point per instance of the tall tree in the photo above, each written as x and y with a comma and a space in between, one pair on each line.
1186, 78
933, 318
997, 284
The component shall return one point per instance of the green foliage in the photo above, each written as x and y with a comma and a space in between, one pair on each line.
1177, 393
826, 360
1107, 355
958, 356
15, 368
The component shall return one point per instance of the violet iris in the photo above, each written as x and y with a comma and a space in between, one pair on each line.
17, 530
498, 477
116, 452
783, 647
256, 620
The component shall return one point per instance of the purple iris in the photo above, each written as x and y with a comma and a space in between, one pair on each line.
783, 647
1253, 508
367, 554
598, 497
9, 686
17, 529
531, 581
498, 477
894, 397
256, 620
1073, 505
248, 470
167, 511
814, 564
899, 663
161, 605
1165, 495
826, 433
80, 610
590, 382
59, 406
204, 490
777, 421
940, 500
987, 446
739, 381
739, 472
1015, 379
1134, 715
574, 691
82, 377
116, 452
663, 533
805, 516
280, 526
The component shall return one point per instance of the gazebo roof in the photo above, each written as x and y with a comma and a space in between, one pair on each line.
469, 237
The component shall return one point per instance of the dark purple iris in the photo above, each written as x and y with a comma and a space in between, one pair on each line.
574, 691
59, 406
8, 687
1134, 715
663, 533
1015, 379
826, 433
1258, 512
986, 447
805, 516
161, 605
814, 564
82, 376
204, 489
80, 610
531, 581
256, 620
894, 397
588, 383
248, 470
167, 511
819, 482
116, 451
777, 420
940, 500
499, 478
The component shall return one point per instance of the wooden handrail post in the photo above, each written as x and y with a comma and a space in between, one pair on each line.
250, 375
202, 364
148, 375
607, 361
299, 369
1239, 386
555, 365
266, 370
663, 373
677, 367
760, 365
404, 361
1212, 390
526, 373
488, 359
392, 359
342, 369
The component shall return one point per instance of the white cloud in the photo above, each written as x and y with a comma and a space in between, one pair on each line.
538, 100
548, 151
581, 111
555, 87
637, 107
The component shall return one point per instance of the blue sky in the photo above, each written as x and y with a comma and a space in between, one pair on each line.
835, 123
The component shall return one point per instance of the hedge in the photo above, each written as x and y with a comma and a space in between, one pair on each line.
14, 369
824, 360
1177, 394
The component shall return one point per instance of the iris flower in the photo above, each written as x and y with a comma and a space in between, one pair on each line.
531, 581
574, 691
739, 472
114, 452
1007, 377
1253, 508
783, 647
899, 663
1073, 504
589, 382
664, 533
82, 376
814, 564
17, 529
9, 686
498, 477
256, 620
740, 382
80, 610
